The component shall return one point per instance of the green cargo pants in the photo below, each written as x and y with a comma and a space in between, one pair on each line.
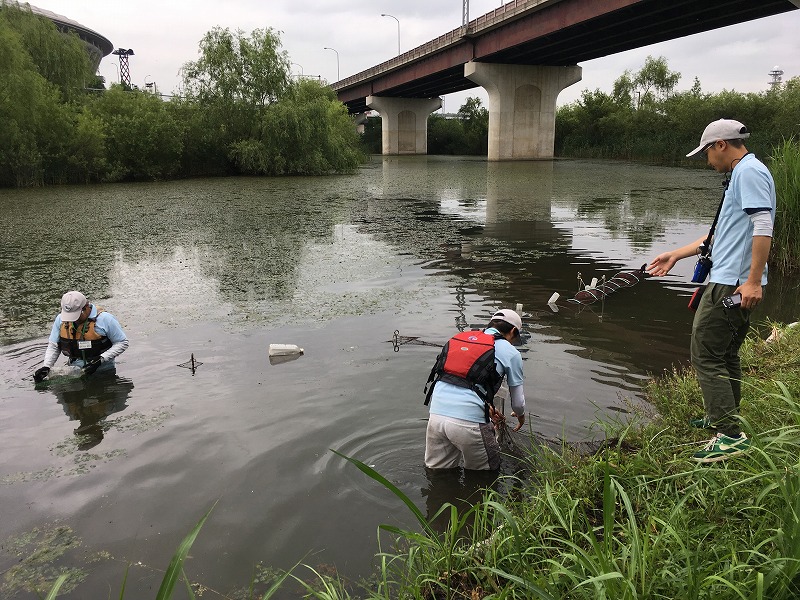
717, 334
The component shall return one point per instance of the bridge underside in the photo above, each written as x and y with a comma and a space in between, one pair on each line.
598, 29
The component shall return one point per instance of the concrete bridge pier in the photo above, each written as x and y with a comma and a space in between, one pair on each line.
404, 123
522, 106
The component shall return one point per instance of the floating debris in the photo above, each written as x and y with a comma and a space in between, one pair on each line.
284, 349
281, 353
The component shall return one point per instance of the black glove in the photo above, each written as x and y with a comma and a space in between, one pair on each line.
40, 374
92, 366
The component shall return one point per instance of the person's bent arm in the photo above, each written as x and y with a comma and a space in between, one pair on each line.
518, 404
751, 290
663, 263
50, 355
115, 333
116, 349
52, 352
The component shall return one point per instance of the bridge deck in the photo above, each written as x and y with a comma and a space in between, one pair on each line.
545, 32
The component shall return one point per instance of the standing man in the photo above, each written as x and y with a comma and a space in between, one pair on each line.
460, 427
87, 335
740, 248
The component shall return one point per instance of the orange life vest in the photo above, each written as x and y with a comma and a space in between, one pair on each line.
82, 341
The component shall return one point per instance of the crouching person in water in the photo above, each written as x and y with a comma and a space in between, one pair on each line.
467, 374
90, 337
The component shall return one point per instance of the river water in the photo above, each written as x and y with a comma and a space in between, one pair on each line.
369, 274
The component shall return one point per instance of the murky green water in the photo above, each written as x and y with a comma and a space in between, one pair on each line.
219, 269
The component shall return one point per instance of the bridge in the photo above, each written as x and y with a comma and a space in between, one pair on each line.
523, 54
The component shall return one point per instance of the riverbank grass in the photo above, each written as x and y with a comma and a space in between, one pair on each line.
785, 168
638, 519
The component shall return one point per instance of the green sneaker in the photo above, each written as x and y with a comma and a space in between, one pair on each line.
721, 447
701, 423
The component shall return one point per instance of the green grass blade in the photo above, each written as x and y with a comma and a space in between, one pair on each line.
373, 474
124, 582
188, 583
535, 590
278, 583
176, 564
56, 586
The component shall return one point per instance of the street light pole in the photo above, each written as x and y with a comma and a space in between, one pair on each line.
301, 69
398, 30
337, 61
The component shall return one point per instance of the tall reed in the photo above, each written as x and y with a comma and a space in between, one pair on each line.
785, 167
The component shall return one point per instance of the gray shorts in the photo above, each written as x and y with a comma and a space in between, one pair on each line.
448, 441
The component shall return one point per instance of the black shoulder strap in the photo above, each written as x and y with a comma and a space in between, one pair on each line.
706, 247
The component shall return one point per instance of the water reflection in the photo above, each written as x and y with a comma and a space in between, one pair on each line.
89, 400
460, 487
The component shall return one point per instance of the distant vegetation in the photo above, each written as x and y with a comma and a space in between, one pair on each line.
239, 113
645, 118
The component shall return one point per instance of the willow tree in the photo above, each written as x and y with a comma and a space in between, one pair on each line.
33, 121
60, 58
236, 77
241, 92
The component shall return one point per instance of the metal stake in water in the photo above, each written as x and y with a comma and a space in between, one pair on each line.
191, 364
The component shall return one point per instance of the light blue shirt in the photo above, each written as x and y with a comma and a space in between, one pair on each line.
751, 187
457, 402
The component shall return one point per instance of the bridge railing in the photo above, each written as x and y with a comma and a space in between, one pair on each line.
495, 18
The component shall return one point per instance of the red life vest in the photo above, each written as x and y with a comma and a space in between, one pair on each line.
467, 360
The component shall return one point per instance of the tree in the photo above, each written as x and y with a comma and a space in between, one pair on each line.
624, 90
265, 124
234, 80
445, 136
475, 120
143, 140
234, 68
655, 82
308, 132
58, 57
32, 119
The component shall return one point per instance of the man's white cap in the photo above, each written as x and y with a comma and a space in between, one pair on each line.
509, 316
72, 304
724, 129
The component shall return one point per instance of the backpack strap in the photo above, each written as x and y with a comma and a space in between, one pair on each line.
430, 384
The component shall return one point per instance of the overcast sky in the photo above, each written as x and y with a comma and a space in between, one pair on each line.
166, 34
